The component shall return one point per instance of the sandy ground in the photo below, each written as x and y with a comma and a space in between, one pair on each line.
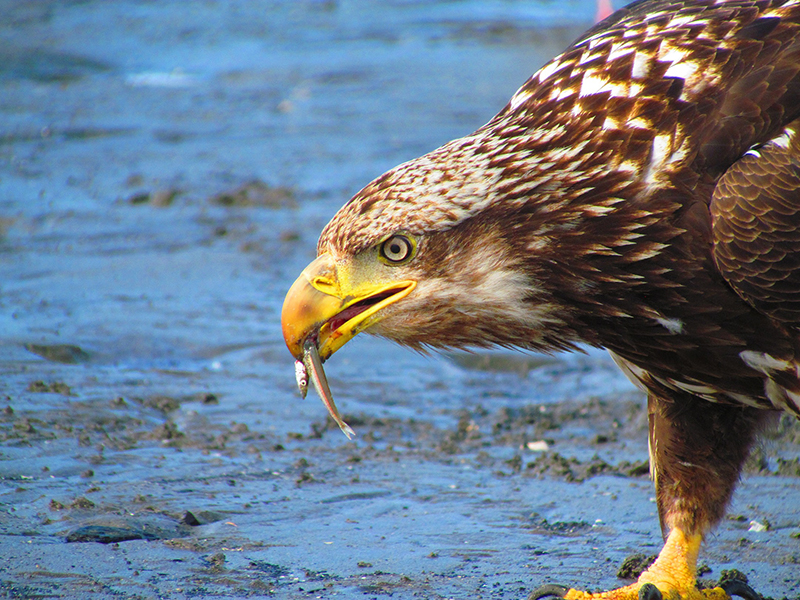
165, 169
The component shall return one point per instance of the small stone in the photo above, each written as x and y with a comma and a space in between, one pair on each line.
538, 446
759, 526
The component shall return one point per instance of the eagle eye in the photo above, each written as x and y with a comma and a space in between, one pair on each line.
396, 249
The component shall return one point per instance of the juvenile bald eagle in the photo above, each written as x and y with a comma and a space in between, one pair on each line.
640, 193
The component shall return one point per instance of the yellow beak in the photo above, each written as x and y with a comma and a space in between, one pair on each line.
330, 306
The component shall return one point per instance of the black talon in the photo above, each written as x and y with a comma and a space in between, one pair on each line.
740, 588
649, 592
548, 591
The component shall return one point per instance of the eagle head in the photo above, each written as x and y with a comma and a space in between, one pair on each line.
427, 256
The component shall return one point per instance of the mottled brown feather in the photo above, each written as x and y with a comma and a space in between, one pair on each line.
756, 223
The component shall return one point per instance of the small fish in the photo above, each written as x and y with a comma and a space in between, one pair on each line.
312, 365
301, 374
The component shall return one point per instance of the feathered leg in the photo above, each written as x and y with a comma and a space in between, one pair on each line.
697, 450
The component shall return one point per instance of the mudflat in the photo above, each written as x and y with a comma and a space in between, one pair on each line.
165, 169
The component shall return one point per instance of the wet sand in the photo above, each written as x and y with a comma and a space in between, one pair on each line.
165, 169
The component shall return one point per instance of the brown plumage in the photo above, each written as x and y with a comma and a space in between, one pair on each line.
639, 193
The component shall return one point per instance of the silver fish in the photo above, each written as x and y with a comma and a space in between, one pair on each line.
312, 365
301, 374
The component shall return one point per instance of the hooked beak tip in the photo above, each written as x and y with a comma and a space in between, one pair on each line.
306, 309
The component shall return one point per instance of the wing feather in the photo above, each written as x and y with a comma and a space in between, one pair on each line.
756, 226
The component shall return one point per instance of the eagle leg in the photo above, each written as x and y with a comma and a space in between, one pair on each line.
697, 449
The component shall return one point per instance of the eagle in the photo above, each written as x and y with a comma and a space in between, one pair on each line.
639, 193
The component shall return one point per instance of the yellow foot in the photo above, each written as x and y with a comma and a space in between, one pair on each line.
670, 577
649, 591
646, 591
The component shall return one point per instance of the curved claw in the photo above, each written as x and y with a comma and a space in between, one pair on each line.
737, 587
548, 591
649, 592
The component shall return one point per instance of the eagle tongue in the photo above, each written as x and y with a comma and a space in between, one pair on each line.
313, 370
348, 313
355, 309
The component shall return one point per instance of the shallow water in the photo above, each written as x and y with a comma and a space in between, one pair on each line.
165, 169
